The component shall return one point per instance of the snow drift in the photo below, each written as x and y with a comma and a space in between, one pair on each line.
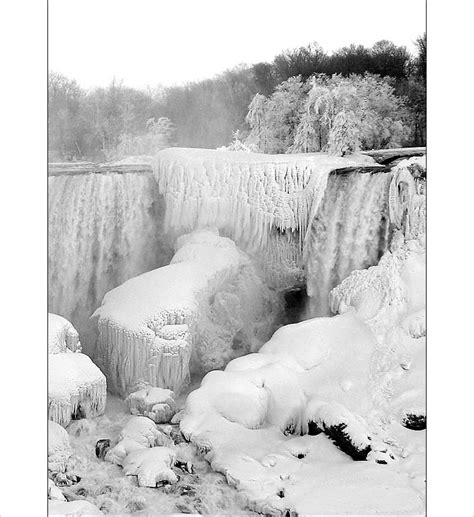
195, 313
76, 386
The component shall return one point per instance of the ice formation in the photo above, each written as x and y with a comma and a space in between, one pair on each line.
76, 386
356, 379
263, 202
103, 229
62, 336
59, 448
155, 403
207, 301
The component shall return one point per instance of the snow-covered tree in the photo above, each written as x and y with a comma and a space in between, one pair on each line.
336, 114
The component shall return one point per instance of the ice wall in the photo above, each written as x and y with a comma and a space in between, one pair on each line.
349, 232
103, 229
265, 203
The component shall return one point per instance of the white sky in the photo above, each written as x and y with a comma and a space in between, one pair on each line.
151, 42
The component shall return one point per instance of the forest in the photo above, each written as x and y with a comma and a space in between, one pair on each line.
304, 100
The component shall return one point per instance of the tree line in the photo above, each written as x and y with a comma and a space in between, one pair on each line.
105, 123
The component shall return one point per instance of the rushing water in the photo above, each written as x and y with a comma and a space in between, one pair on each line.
203, 493
103, 229
350, 231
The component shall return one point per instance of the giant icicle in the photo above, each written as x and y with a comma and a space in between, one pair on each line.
103, 229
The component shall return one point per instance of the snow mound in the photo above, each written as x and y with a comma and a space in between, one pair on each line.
255, 422
151, 466
155, 403
59, 448
72, 508
62, 336
76, 388
156, 326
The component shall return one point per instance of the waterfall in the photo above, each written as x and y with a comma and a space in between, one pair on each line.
103, 229
350, 231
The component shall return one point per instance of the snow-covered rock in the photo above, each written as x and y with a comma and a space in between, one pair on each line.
255, 422
158, 404
72, 508
143, 431
76, 388
59, 448
62, 336
192, 313
151, 466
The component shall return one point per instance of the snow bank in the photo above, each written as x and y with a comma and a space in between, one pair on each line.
59, 448
62, 336
206, 301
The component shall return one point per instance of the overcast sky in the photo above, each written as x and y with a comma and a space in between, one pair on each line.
151, 42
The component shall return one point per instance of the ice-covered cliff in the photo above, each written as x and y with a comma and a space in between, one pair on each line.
274, 205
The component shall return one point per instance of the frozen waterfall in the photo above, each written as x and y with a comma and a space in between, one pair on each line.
103, 229
349, 232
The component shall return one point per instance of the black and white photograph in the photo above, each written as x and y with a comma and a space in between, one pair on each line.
235, 262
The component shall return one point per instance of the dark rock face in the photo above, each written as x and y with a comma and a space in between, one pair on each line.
414, 422
101, 448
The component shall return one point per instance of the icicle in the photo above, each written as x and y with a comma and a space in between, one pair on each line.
250, 197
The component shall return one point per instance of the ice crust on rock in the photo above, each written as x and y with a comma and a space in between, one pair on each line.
59, 448
76, 386
155, 403
155, 326
62, 336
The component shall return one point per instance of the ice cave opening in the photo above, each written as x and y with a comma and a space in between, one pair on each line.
230, 331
